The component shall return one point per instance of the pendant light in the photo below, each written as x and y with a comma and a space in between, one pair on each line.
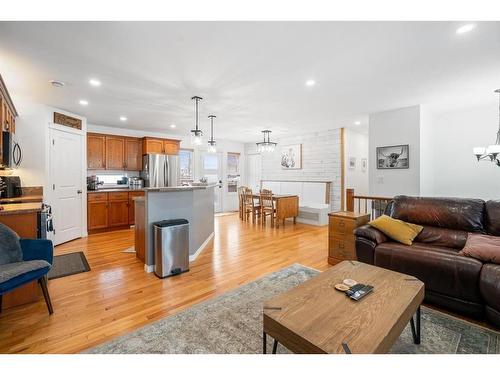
196, 133
211, 143
491, 152
266, 145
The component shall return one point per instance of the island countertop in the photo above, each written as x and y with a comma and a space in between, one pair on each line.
20, 208
152, 189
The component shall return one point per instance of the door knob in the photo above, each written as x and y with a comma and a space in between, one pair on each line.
79, 191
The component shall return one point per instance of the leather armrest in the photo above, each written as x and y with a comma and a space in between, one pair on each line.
37, 250
370, 233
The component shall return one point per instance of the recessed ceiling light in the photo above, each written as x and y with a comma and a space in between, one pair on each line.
84, 102
357, 123
310, 82
173, 126
123, 118
95, 82
57, 83
465, 28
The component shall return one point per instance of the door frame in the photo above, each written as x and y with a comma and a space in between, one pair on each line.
248, 161
48, 185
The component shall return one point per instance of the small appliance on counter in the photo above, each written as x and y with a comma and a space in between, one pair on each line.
135, 183
122, 181
11, 186
93, 183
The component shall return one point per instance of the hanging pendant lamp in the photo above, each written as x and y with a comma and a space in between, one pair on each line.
211, 143
266, 145
492, 152
196, 133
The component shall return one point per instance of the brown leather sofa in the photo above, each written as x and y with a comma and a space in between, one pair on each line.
458, 283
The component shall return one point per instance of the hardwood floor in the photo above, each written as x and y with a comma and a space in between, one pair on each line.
117, 296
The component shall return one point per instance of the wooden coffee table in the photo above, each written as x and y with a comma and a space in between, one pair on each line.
316, 318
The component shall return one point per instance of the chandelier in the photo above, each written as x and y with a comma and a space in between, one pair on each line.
211, 143
266, 145
491, 152
196, 133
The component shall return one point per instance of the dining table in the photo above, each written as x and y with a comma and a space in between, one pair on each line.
287, 206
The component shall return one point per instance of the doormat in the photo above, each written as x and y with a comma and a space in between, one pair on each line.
68, 264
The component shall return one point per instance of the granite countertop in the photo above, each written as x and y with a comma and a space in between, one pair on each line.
113, 190
22, 199
20, 208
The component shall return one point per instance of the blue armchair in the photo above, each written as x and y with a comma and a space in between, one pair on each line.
23, 261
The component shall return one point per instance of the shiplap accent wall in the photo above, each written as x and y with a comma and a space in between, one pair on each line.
320, 161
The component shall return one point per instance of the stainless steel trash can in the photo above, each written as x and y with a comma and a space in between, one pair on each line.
171, 244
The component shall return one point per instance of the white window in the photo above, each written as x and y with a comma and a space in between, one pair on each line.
233, 171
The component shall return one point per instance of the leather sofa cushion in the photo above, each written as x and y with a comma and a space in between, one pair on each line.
489, 285
482, 247
442, 237
492, 218
451, 213
440, 268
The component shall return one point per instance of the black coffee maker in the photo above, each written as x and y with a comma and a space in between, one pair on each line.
11, 187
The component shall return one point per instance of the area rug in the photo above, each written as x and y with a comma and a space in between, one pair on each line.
232, 323
68, 264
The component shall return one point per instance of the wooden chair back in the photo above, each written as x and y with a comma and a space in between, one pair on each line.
248, 197
266, 199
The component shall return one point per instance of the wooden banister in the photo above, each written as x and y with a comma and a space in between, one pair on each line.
365, 203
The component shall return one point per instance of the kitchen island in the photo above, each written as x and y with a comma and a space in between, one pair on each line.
193, 203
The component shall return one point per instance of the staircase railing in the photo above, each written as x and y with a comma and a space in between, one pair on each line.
363, 204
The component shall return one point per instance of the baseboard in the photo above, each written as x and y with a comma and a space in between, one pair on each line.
200, 249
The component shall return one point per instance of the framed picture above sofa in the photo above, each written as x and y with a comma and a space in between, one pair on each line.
393, 157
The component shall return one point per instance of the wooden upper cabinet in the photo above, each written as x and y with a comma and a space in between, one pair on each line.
133, 154
8, 112
152, 145
115, 152
96, 151
171, 146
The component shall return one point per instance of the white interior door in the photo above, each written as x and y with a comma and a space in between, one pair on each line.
211, 169
66, 183
254, 171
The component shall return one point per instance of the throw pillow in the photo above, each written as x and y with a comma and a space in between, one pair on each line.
482, 247
397, 230
10, 249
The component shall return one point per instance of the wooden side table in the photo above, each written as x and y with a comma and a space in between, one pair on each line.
341, 240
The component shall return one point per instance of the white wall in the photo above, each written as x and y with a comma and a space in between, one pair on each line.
320, 161
395, 127
356, 145
455, 170
229, 200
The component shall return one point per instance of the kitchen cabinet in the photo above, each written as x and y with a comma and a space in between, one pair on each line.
115, 152
96, 151
97, 211
8, 112
152, 145
171, 147
133, 154
110, 210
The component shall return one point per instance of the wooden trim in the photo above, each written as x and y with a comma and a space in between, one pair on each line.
234, 153
350, 200
342, 169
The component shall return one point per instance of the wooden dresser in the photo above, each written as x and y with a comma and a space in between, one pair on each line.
341, 241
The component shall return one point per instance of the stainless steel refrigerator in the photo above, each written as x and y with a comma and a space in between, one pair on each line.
160, 170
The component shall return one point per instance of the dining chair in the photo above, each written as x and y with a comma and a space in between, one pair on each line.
267, 206
241, 191
249, 205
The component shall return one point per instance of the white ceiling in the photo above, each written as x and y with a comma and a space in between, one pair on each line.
251, 74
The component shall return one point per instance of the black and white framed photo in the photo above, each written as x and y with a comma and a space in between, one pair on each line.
291, 157
393, 157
